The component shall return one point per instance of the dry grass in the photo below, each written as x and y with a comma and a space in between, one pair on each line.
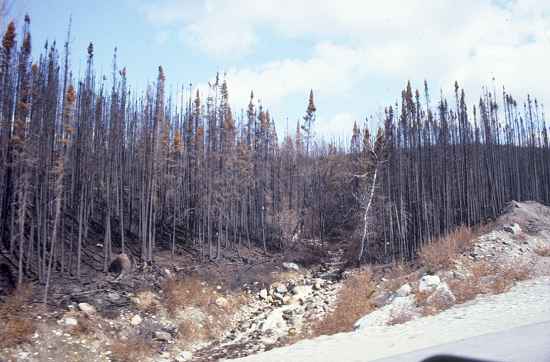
353, 303
486, 278
146, 301
84, 327
398, 275
507, 276
17, 322
133, 349
543, 250
189, 292
192, 292
440, 254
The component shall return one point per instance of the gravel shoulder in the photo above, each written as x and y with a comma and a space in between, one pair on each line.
526, 303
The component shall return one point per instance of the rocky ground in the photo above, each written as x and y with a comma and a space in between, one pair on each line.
280, 312
117, 320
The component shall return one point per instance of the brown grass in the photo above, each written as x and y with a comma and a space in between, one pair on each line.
398, 275
133, 349
484, 277
507, 276
146, 301
84, 327
440, 254
543, 250
192, 292
353, 303
17, 324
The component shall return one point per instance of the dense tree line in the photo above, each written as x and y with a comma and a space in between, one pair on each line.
449, 166
89, 168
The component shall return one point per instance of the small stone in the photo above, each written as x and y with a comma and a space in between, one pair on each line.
222, 302
291, 266
136, 320
280, 288
69, 321
184, 356
404, 291
87, 308
113, 296
263, 294
317, 285
442, 296
162, 336
292, 332
514, 229
428, 283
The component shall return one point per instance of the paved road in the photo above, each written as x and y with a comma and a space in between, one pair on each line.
529, 343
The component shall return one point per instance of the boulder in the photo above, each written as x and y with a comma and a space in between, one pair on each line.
69, 321
291, 266
136, 320
383, 315
381, 298
443, 297
318, 284
514, 229
301, 292
428, 283
88, 309
184, 356
120, 265
279, 288
113, 297
222, 302
162, 336
274, 321
263, 294
404, 290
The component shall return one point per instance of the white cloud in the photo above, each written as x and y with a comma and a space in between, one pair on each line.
358, 41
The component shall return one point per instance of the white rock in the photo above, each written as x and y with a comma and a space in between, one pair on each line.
162, 336
428, 283
300, 293
442, 296
291, 266
513, 229
222, 302
87, 308
404, 291
274, 321
136, 320
184, 356
381, 316
280, 288
263, 294
69, 321
317, 285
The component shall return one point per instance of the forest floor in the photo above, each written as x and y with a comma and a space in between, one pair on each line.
256, 304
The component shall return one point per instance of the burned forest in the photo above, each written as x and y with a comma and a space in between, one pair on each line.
91, 169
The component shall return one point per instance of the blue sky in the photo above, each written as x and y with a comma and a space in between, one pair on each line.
355, 54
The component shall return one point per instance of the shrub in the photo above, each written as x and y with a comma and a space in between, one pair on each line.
17, 323
441, 253
354, 301
133, 349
